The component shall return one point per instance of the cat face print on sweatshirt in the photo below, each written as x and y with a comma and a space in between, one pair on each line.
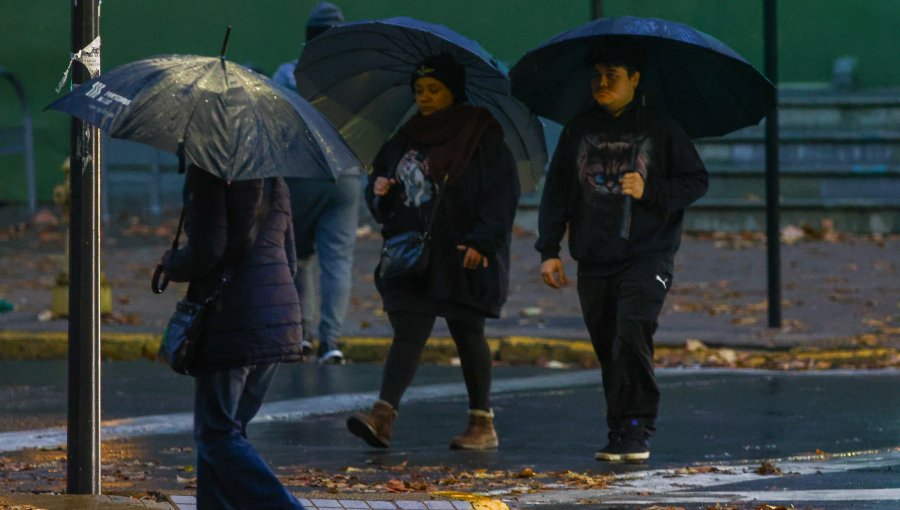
603, 161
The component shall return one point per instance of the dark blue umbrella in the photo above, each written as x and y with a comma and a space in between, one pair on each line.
358, 73
233, 122
707, 87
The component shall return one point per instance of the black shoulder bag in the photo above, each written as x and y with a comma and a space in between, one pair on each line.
184, 331
406, 254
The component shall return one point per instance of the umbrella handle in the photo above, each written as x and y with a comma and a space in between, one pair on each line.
625, 227
155, 285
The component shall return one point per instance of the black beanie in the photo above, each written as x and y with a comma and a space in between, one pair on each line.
446, 70
322, 17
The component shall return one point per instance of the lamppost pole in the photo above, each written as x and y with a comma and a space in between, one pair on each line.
83, 441
773, 232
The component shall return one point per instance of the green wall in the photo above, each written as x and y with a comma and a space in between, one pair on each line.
34, 44
811, 33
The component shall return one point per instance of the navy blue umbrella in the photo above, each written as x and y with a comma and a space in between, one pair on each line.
232, 122
707, 87
358, 73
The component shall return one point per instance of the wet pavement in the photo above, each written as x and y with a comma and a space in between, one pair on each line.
834, 435
838, 290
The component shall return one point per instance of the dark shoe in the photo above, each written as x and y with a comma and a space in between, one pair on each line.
612, 452
479, 434
635, 449
332, 357
374, 427
630, 443
309, 339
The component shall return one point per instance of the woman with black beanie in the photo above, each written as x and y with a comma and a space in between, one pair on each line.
448, 161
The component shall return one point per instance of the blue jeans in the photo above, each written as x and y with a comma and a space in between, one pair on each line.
230, 473
325, 216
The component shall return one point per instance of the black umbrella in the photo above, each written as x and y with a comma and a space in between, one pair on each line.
707, 87
358, 73
233, 122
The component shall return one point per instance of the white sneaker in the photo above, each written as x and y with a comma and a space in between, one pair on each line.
332, 357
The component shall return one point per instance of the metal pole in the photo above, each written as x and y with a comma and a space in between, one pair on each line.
596, 9
83, 471
773, 232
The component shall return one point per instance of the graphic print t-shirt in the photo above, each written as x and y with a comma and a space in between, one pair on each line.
418, 190
412, 172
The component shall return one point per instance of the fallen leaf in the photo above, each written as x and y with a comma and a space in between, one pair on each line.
768, 468
694, 345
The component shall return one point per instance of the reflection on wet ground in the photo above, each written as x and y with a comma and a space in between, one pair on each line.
704, 416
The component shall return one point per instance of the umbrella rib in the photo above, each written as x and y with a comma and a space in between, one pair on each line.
518, 134
187, 124
703, 96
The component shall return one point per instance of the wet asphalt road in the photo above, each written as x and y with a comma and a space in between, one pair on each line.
707, 417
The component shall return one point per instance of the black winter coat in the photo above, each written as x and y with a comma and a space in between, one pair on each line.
477, 210
256, 319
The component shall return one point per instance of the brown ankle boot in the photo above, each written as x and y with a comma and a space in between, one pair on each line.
375, 426
479, 434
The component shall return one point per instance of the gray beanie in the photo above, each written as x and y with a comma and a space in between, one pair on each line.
322, 17
325, 14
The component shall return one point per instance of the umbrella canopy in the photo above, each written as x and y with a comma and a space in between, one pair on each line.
697, 79
234, 123
358, 73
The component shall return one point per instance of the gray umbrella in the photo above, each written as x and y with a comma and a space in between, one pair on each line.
358, 73
233, 122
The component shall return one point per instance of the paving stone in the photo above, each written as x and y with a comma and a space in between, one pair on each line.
326, 503
411, 505
353, 503
439, 505
382, 505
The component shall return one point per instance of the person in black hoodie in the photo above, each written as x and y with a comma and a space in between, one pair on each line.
451, 154
240, 229
620, 180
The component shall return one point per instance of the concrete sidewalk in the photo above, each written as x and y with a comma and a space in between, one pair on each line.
837, 292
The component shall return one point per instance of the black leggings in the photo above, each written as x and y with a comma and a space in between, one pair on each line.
411, 331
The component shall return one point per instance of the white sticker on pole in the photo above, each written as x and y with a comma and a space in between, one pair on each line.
89, 56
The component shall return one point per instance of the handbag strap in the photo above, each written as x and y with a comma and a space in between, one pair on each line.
262, 212
437, 204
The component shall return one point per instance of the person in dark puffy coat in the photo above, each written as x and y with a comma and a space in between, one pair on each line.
452, 146
252, 326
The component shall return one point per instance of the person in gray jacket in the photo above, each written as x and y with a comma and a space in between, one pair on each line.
326, 215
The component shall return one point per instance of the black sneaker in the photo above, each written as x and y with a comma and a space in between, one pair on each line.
306, 347
627, 449
630, 443
612, 452
634, 449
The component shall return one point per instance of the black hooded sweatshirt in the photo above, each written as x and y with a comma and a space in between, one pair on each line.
582, 191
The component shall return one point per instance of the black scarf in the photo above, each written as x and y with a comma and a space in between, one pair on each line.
452, 135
